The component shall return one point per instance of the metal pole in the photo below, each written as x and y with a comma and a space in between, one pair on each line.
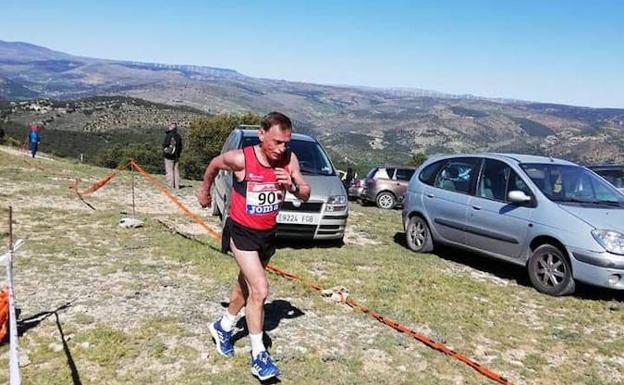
15, 376
11, 229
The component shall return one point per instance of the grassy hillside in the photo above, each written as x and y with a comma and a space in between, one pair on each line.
132, 306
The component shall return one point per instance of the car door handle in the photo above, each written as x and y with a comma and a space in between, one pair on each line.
430, 196
476, 207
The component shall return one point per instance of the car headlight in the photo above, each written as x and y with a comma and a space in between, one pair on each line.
336, 203
337, 200
612, 241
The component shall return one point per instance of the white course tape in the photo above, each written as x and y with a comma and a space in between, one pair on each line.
15, 376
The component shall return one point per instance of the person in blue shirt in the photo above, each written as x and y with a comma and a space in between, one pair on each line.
33, 139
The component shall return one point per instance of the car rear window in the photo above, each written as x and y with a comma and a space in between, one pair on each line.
371, 173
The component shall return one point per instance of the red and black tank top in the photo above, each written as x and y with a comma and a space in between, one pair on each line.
257, 199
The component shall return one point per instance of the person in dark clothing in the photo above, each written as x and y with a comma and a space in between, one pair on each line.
2, 134
33, 139
349, 178
172, 149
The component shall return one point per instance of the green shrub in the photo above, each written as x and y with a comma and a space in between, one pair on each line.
204, 139
147, 155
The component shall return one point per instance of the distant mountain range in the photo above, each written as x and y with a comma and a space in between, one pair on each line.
360, 124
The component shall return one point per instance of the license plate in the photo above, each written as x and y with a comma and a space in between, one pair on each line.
298, 218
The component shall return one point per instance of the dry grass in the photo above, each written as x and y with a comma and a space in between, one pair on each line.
138, 301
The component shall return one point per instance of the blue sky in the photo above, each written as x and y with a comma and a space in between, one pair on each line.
552, 51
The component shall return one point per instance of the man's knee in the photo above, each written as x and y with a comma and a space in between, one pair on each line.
260, 291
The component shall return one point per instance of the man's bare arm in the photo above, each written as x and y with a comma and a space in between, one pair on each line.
230, 161
295, 173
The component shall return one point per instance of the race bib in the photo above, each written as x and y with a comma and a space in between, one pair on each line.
263, 198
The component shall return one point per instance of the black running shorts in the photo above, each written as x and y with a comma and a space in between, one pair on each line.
246, 239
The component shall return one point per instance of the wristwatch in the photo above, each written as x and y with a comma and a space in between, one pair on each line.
296, 190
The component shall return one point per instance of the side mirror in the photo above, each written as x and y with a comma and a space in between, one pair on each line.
517, 196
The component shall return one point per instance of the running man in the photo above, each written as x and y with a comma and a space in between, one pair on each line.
262, 175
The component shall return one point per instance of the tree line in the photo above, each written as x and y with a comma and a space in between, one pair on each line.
202, 139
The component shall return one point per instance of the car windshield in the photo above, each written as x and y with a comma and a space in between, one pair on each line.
572, 185
312, 157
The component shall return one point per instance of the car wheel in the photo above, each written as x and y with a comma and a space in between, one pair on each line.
550, 271
385, 200
418, 235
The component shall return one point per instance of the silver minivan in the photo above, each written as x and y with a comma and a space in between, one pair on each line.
559, 220
323, 216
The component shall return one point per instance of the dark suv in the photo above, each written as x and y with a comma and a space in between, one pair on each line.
386, 185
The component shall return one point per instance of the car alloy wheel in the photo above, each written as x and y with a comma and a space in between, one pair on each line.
418, 235
550, 271
385, 200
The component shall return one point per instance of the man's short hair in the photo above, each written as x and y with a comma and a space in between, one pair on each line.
276, 119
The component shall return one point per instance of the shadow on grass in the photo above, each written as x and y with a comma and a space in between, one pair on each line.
512, 272
299, 244
33, 321
274, 313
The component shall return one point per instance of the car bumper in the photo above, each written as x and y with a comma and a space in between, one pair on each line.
355, 192
331, 225
365, 195
599, 269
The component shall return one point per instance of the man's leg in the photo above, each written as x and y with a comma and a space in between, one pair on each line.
222, 329
254, 275
252, 270
238, 296
169, 172
176, 174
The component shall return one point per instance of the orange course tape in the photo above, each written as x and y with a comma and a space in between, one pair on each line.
100, 183
4, 312
386, 321
163, 189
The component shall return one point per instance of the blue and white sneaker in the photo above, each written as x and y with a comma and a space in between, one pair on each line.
263, 367
222, 338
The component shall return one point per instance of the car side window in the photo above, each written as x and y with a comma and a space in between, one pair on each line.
428, 174
382, 173
457, 175
390, 172
493, 180
404, 174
